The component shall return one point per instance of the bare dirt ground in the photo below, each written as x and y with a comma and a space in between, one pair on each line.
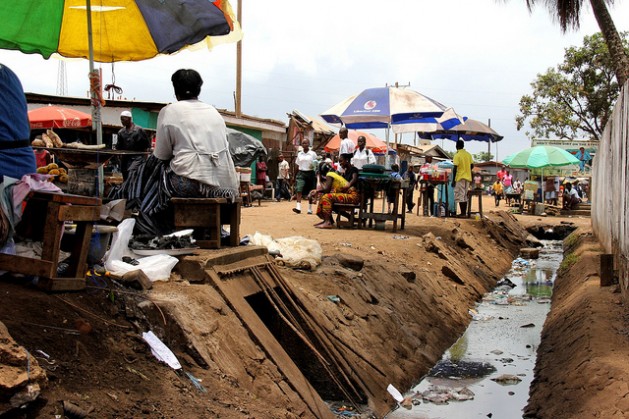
398, 324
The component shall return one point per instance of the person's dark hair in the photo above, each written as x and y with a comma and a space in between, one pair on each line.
347, 156
460, 144
187, 84
324, 168
395, 167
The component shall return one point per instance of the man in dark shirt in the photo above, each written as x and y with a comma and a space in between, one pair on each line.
412, 185
133, 138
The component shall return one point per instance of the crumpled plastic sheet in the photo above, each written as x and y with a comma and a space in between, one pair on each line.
294, 251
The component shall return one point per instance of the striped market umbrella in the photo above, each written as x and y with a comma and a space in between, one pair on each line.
117, 30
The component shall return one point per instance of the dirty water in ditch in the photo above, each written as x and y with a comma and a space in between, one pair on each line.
488, 371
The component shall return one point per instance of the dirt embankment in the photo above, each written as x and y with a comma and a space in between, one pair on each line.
391, 320
582, 369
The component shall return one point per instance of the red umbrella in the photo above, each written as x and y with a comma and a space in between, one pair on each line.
58, 117
373, 143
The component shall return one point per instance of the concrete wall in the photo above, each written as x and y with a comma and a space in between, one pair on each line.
610, 188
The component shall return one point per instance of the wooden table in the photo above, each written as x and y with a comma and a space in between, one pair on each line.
368, 187
44, 219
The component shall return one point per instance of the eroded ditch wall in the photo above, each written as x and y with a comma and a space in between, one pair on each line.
388, 323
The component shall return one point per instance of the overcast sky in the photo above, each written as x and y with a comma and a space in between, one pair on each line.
477, 56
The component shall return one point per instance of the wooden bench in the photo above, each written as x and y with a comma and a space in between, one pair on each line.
348, 211
206, 216
44, 219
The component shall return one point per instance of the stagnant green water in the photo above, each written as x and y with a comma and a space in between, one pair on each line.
503, 340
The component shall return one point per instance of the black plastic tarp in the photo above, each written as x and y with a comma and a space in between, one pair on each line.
244, 148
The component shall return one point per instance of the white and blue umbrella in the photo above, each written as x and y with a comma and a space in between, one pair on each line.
470, 130
390, 107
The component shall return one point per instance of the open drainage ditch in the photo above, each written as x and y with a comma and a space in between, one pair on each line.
488, 371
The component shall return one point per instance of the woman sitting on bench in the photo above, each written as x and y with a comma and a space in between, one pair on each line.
191, 158
335, 189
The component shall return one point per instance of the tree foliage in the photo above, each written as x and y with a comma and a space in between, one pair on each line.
575, 99
483, 156
568, 14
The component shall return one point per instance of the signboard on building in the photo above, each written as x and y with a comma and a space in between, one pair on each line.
567, 144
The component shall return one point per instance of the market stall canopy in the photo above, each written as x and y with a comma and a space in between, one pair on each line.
470, 130
373, 143
150, 27
384, 107
58, 117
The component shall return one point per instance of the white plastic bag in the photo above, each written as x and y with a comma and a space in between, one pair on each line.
296, 251
156, 267
120, 243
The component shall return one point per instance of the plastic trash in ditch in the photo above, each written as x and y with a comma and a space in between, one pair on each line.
479, 316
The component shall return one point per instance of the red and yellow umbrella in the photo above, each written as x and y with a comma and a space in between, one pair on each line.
121, 30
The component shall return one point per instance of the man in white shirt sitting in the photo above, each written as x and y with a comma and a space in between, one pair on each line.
571, 197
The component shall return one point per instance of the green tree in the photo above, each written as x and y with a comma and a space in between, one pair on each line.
450, 154
568, 13
576, 97
483, 156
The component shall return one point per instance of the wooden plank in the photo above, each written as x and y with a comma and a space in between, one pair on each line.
61, 284
198, 201
52, 233
234, 293
66, 198
79, 213
27, 266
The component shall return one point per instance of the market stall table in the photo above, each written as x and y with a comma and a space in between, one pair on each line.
83, 164
440, 199
369, 185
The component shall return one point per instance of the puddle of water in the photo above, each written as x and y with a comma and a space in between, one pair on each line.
495, 345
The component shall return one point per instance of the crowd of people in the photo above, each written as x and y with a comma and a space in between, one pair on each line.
190, 158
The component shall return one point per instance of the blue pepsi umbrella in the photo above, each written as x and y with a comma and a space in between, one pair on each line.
384, 107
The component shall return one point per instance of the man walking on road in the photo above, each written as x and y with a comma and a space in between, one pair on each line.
283, 176
462, 176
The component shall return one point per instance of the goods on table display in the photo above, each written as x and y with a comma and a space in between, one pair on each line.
48, 139
58, 173
434, 174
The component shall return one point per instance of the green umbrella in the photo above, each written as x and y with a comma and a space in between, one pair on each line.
539, 157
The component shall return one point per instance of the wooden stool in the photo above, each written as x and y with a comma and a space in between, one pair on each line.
206, 216
347, 211
44, 218
475, 193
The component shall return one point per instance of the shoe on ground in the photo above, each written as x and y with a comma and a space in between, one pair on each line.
409, 212
296, 211
310, 212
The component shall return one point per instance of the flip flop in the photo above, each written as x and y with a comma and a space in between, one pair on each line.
325, 227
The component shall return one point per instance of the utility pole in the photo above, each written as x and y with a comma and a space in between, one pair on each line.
489, 141
62, 79
239, 66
